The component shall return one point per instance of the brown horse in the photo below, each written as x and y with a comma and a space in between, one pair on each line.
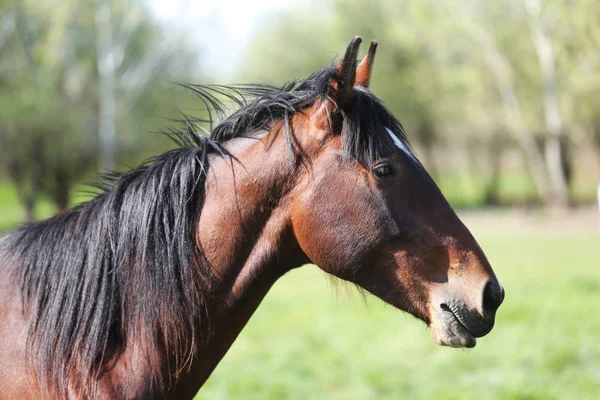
140, 292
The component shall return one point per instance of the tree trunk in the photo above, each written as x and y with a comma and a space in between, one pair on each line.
427, 138
29, 208
495, 150
107, 93
597, 152
498, 67
63, 187
60, 189
556, 169
552, 115
62, 201
26, 176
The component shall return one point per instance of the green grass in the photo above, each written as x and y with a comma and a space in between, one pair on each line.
304, 344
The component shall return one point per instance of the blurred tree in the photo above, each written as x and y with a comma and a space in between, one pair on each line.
24, 167
578, 61
478, 23
132, 53
554, 146
460, 72
52, 88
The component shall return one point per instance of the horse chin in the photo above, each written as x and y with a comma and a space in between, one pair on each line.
447, 330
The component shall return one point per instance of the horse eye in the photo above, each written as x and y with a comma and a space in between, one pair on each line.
384, 171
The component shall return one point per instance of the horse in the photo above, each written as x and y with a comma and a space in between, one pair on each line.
139, 292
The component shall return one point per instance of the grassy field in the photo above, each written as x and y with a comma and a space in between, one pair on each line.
308, 342
305, 344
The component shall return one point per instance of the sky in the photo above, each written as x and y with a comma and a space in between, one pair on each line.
221, 29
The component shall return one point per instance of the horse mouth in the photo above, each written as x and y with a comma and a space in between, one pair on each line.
447, 329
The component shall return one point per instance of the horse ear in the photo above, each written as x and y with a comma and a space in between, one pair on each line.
363, 71
346, 75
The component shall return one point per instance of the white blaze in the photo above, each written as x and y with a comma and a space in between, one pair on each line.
399, 144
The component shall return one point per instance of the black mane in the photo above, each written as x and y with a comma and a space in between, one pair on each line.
259, 106
125, 265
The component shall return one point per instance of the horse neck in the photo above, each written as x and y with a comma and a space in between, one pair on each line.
245, 233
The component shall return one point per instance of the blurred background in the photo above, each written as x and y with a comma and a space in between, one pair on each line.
500, 99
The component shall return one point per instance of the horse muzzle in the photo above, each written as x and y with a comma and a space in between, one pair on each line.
454, 323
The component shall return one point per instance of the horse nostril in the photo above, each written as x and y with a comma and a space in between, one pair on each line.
493, 295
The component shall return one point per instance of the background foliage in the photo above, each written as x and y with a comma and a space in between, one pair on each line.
497, 96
